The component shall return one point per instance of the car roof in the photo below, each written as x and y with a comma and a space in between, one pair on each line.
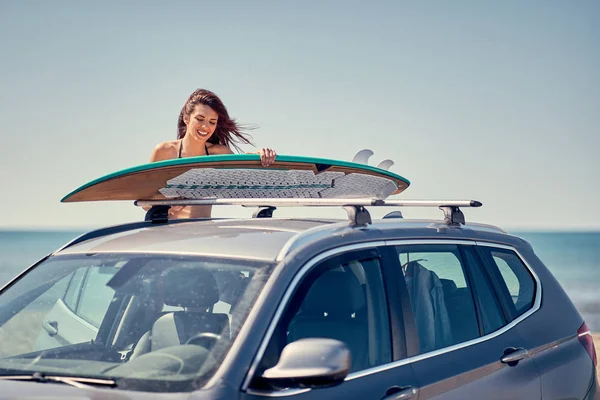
260, 239
267, 239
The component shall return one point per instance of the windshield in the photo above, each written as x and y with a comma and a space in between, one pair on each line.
151, 322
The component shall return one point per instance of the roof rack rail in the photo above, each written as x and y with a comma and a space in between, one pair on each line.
357, 213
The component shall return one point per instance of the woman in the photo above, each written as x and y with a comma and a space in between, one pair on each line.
204, 128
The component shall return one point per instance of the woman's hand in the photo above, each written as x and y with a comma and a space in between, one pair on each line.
267, 156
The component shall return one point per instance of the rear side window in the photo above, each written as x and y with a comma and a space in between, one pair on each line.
489, 308
515, 280
440, 294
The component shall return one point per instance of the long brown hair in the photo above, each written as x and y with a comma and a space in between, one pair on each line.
227, 132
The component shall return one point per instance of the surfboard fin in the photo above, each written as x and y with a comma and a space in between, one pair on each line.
385, 164
362, 157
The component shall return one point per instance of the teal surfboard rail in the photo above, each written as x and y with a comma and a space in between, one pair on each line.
232, 158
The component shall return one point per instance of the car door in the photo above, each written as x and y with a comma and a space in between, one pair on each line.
76, 316
344, 298
565, 367
465, 347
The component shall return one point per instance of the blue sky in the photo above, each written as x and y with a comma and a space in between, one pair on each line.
496, 101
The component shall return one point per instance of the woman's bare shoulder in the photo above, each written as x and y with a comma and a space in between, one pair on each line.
165, 151
216, 148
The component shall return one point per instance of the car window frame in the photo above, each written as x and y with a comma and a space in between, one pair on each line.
410, 332
331, 264
311, 277
395, 318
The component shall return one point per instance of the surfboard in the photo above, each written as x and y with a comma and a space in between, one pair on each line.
243, 176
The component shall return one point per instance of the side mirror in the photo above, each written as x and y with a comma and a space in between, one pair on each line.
310, 363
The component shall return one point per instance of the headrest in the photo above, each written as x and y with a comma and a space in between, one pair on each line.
189, 287
229, 283
335, 293
448, 285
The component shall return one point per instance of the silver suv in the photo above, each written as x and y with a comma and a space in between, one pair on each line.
295, 308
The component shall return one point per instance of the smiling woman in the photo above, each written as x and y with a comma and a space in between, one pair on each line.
204, 128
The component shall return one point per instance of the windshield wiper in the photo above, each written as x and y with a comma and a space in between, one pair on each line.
77, 381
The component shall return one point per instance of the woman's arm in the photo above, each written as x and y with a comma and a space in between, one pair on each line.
162, 151
219, 149
267, 156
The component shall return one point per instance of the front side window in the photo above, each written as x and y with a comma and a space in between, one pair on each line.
96, 295
71, 297
163, 322
343, 299
440, 294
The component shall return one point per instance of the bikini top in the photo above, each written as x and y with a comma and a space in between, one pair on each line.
181, 145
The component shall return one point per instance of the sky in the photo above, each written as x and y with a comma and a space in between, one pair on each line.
497, 101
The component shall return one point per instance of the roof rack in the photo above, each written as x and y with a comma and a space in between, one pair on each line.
357, 213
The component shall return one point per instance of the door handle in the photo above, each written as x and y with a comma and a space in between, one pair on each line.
400, 393
51, 327
513, 355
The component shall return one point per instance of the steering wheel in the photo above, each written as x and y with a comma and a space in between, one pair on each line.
204, 339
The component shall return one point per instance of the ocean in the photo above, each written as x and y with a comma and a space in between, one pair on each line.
573, 258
